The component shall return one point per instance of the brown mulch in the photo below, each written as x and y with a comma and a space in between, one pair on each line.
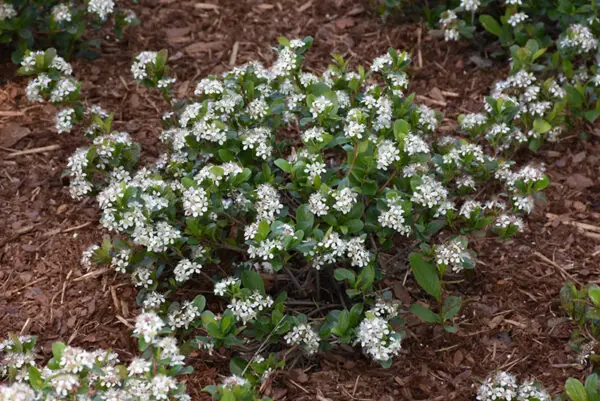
511, 320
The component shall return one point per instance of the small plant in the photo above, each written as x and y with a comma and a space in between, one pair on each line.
583, 306
74, 373
41, 24
503, 386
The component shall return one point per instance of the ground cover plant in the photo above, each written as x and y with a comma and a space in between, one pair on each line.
364, 168
562, 34
255, 317
26, 25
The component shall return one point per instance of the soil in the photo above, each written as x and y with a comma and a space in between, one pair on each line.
512, 319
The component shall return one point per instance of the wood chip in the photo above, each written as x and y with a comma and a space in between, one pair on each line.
234, 53
206, 6
33, 151
304, 6
204, 47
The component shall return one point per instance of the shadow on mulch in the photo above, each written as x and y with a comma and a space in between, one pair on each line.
511, 320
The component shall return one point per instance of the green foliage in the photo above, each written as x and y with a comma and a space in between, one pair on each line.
39, 24
583, 306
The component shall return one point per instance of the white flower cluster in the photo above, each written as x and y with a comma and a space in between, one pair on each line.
503, 386
7, 11
345, 199
247, 309
579, 38
102, 8
333, 247
395, 218
451, 254
96, 370
61, 13
185, 269
377, 340
226, 285
141, 63
64, 120
305, 336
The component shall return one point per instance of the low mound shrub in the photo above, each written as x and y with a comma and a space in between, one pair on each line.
40, 24
278, 172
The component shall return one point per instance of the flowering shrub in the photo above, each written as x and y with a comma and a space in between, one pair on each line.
74, 373
503, 386
583, 306
278, 169
569, 29
40, 24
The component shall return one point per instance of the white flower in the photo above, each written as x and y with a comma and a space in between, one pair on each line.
354, 130
165, 82
525, 204
451, 254
248, 309
139, 68
102, 8
469, 207
469, 5
529, 391
225, 285
374, 336
7, 11
161, 386
209, 86
345, 199
320, 105
61, 13
148, 325
185, 269
153, 300
267, 203
506, 220
317, 204
358, 254
313, 134
314, 170
414, 145
304, 336
430, 192
258, 109
234, 381
64, 120
387, 154
381, 63
258, 139
63, 89
517, 18
451, 34
502, 387
195, 202
138, 366
394, 218
579, 38
471, 121
87, 255
35, 86
427, 118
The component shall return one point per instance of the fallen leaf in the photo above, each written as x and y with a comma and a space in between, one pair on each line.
579, 181
12, 133
206, 6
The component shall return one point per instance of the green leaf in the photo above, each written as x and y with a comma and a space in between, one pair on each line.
344, 274
199, 302
452, 306
354, 225
425, 313
263, 231
594, 294
284, 165
57, 350
591, 115
490, 24
426, 275
575, 390
253, 281
304, 218
35, 378
541, 126
237, 366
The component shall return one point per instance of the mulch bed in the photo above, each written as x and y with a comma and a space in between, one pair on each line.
511, 320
